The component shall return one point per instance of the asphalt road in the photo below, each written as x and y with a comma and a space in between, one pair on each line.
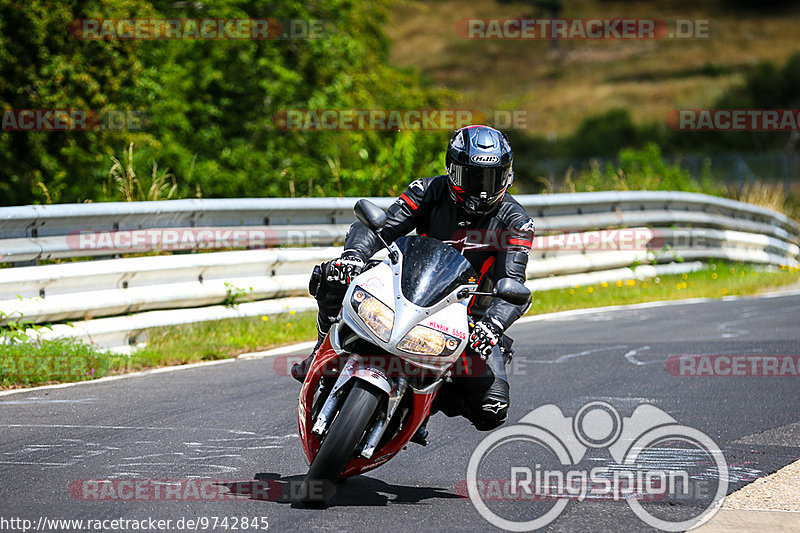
236, 421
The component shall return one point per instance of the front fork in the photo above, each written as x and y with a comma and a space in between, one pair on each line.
395, 388
382, 422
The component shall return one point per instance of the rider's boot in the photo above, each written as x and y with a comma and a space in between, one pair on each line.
421, 435
329, 299
300, 369
496, 400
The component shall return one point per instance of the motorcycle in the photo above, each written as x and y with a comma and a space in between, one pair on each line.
402, 329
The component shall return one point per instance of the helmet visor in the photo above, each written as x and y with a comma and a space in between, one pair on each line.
480, 182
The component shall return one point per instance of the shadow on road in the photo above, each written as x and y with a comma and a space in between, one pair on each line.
361, 491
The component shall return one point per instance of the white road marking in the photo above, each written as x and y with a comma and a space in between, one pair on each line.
202, 456
154, 428
120, 376
778, 294
631, 356
33, 463
45, 400
559, 315
182, 455
568, 356
303, 346
289, 436
614, 400
218, 468
574, 313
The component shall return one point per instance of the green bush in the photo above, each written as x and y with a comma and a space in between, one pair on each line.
211, 103
603, 135
643, 169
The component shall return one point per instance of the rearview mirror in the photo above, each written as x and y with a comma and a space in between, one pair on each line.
370, 214
512, 291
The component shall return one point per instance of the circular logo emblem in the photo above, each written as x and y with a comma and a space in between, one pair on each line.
522, 477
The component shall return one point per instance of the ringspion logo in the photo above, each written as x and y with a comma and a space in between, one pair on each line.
523, 476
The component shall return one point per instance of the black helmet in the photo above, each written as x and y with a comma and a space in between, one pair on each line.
478, 166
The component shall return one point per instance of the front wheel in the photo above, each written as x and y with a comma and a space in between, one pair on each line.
337, 449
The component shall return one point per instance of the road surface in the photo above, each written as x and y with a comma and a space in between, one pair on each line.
236, 421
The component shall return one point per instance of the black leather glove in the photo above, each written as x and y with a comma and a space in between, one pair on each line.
485, 335
344, 269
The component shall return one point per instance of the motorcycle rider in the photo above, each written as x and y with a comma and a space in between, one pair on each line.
469, 202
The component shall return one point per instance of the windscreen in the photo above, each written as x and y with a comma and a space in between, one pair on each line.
431, 270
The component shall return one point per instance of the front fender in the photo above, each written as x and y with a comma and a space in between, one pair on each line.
375, 377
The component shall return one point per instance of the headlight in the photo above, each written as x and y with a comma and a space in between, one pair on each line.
424, 341
376, 315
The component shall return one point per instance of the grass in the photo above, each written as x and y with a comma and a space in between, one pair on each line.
718, 280
208, 341
46, 362
771, 195
559, 88
38, 363
646, 169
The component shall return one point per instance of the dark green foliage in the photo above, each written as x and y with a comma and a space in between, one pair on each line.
211, 103
211, 107
768, 87
603, 135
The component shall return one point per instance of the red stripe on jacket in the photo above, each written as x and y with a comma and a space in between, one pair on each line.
521, 242
409, 201
484, 269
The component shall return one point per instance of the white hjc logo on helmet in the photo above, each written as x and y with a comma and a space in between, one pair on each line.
487, 159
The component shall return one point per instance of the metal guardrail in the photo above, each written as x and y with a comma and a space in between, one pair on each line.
34, 233
163, 287
88, 289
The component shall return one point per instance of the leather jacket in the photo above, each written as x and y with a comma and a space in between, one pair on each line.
497, 244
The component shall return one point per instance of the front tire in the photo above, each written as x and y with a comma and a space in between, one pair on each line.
337, 449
